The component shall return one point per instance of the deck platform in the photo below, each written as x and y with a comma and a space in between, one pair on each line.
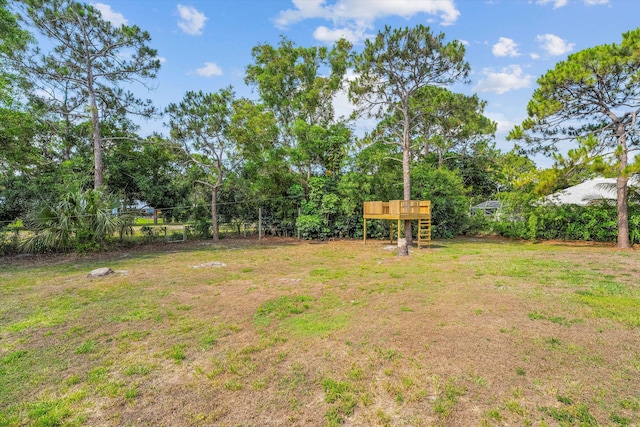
400, 210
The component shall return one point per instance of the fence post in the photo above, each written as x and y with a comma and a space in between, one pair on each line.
260, 225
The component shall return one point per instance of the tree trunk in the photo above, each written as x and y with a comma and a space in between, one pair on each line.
426, 147
623, 213
622, 189
97, 141
406, 179
95, 120
214, 213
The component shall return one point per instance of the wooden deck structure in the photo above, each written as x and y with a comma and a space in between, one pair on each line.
401, 210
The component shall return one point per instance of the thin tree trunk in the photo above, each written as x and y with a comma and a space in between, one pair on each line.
623, 213
214, 212
97, 144
426, 147
622, 189
406, 179
97, 135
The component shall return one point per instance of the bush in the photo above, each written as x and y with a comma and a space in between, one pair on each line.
478, 223
8, 242
449, 203
80, 220
202, 228
312, 227
597, 223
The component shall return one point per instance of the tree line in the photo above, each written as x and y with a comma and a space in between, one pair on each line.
71, 149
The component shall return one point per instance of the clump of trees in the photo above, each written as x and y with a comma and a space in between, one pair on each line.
71, 155
592, 98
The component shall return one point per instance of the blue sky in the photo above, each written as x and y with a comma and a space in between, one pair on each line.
206, 44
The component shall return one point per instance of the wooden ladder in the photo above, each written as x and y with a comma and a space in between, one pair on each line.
424, 232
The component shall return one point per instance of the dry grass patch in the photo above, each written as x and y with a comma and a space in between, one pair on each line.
472, 332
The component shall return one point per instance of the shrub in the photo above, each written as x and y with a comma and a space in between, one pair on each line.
312, 227
9, 242
449, 203
79, 219
597, 223
478, 223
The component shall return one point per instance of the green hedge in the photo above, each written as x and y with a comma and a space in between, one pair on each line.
598, 223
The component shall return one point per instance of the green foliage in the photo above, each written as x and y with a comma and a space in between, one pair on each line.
449, 203
80, 220
478, 223
532, 224
298, 84
567, 222
392, 68
327, 212
592, 97
150, 170
86, 78
312, 227
9, 241
201, 222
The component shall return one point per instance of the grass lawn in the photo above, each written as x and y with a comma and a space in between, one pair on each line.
472, 332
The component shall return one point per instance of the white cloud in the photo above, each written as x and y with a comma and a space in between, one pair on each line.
505, 47
355, 17
328, 35
116, 19
504, 124
554, 45
464, 42
556, 3
561, 3
534, 56
210, 69
191, 20
162, 59
505, 80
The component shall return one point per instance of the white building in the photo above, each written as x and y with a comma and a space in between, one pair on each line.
589, 192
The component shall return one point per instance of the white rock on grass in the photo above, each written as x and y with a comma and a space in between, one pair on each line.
100, 272
210, 264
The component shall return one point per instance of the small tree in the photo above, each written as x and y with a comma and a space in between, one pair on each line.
592, 98
391, 69
201, 122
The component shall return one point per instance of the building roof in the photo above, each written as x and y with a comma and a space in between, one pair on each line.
489, 204
588, 192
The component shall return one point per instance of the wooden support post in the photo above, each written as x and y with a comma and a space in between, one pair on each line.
365, 231
390, 232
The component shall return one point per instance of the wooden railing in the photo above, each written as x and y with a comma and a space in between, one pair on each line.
397, 207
